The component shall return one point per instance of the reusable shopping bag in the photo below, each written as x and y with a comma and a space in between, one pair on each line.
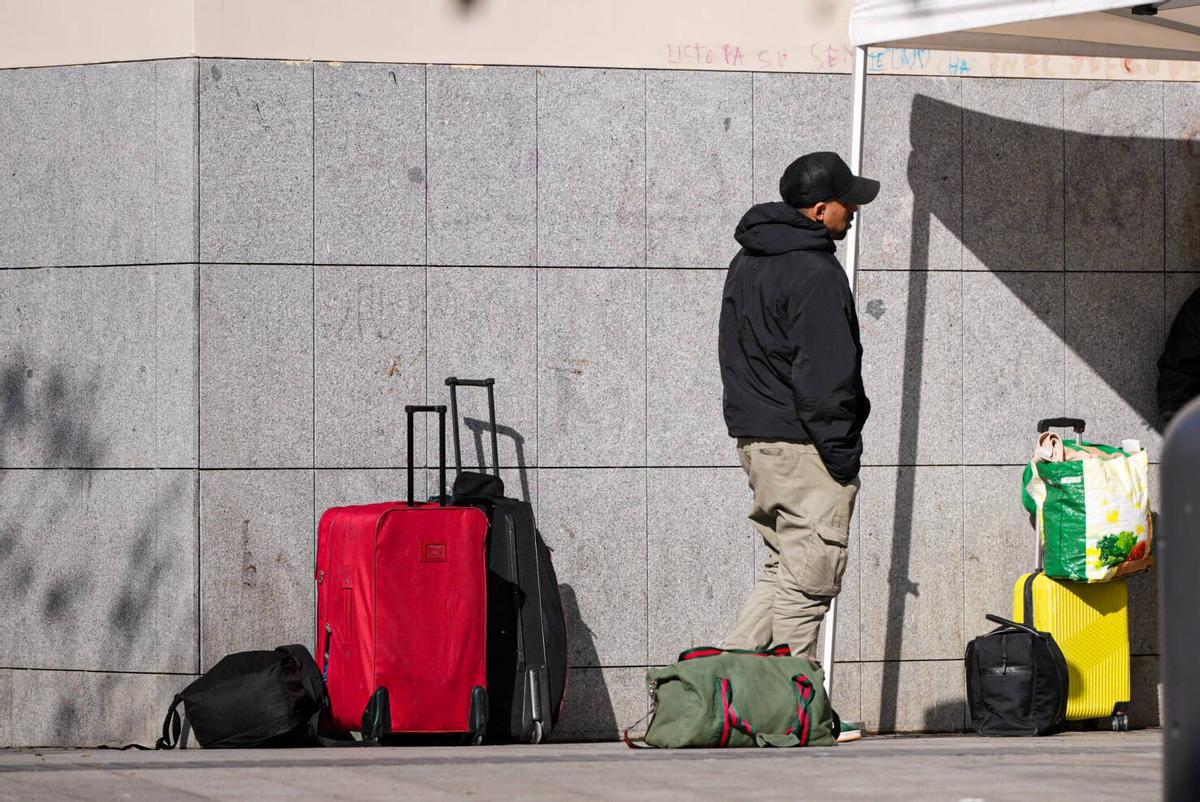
1092, 513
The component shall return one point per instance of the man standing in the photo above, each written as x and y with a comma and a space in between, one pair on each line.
791, 363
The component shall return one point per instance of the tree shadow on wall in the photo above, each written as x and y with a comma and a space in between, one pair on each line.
56, 565
1095, 317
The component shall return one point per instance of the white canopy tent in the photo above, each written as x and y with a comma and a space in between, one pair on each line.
1106, 28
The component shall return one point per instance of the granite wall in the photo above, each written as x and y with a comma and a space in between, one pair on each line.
223, 279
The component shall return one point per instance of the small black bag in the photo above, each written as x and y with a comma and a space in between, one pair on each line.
251, 699
1016, 681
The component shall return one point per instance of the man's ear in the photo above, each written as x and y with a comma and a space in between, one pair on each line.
818, 211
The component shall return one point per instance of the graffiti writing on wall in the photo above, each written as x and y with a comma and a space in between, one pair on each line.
698, 54
818, 57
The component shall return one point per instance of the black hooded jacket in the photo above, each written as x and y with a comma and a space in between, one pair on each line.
791, 360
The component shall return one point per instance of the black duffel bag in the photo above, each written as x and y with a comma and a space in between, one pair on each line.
1016, 681
251, 699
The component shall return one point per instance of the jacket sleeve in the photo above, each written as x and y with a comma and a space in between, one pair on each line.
1179, 365
825, 372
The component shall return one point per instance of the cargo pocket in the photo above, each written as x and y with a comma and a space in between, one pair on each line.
825, 560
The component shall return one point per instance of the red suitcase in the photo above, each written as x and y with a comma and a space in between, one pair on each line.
402, 612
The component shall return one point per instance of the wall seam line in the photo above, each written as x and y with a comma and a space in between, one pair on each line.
197, 504
313, 272
646, 357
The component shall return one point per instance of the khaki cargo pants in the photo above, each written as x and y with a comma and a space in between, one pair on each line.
803, 515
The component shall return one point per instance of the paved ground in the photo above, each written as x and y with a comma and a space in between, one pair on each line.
1092, 766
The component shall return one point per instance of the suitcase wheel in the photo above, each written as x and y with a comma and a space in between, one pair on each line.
479, 716
1120, 722
536, 736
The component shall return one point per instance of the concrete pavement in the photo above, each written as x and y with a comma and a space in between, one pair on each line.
1093, 766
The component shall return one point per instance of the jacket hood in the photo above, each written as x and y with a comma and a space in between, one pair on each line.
773, 228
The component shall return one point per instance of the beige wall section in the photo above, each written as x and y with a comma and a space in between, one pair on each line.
713, 34
36, 33
779, 35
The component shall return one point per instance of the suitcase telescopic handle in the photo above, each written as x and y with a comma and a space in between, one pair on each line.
411, 410
453, 382
1046, 424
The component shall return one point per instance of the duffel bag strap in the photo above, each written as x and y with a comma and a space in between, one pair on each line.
796, 735
782, 650
1007, 624
175, 728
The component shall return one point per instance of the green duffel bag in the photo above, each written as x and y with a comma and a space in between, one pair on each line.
713, 697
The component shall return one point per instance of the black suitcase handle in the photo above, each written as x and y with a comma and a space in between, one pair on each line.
411, 410
453, 382
1046, 424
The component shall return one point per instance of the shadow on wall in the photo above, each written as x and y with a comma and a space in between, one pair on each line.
41, 410
77, 596
479, 428
588, 711
1104, 218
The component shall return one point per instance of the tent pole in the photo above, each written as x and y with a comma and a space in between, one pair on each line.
858, 115
851, 267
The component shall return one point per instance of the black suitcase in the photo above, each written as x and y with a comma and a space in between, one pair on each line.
527, 631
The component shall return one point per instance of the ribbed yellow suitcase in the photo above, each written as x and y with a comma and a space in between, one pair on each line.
1090, 623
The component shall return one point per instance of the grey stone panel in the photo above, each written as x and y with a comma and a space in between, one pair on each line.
1114, 175
601, 703
6, 716
1181, 141
99, 164
846, 693
341, 487
256, 161
1143, 614
1145, 708
98, 367
999, 543
591, 367
591, 179
98, 570
256, 561
256, 366
912, 336
686, 422
370, 363
914, 696
483, 323
913, 146
700, 557
699, 143
369, 192
86, 709
1013, 165
1114, 339
911, 546
595, 521
1013, 355
482, 165
794, 114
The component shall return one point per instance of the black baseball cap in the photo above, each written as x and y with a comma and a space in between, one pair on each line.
823, 176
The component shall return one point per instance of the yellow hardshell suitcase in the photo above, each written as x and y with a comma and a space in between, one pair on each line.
1090, 623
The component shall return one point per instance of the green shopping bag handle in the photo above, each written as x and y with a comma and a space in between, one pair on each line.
1046, 424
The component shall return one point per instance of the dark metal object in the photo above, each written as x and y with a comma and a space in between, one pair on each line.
1178, 547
